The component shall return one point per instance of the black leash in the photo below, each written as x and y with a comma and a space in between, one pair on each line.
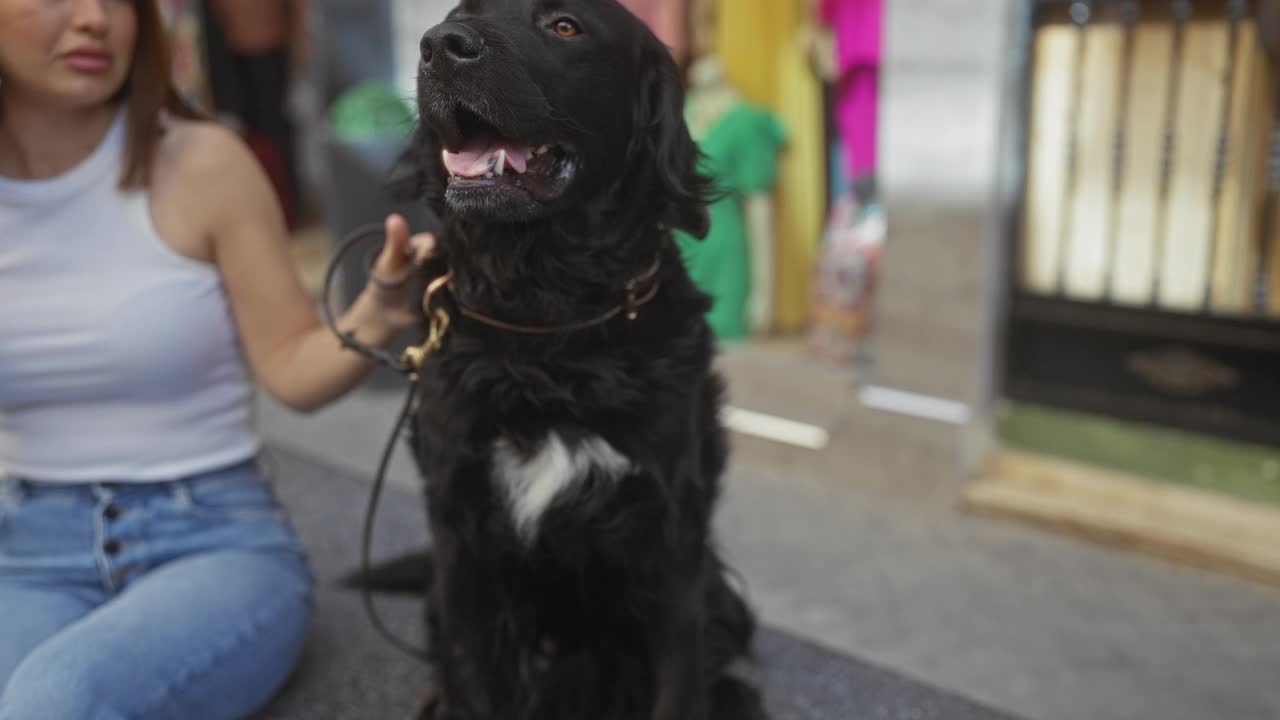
348, 339
405, 366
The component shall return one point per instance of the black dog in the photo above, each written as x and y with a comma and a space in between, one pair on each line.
569, 431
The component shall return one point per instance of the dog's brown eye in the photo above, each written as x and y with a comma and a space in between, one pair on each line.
566, 28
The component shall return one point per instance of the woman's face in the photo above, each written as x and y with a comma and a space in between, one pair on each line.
73, 54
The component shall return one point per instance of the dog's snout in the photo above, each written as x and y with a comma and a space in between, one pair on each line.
452, 44
462, 44
426, 49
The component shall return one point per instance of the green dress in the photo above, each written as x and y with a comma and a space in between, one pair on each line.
741, 155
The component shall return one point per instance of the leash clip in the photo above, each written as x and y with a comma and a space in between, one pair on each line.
632, 306
415, 357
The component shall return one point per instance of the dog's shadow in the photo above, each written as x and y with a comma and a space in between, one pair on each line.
409, 574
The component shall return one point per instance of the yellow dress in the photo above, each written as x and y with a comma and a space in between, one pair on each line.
750, 36
757, 41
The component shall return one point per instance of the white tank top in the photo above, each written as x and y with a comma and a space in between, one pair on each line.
119, 360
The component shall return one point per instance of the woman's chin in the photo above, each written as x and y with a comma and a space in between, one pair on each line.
85, 93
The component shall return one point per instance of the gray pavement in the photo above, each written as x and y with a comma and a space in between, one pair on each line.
861, 548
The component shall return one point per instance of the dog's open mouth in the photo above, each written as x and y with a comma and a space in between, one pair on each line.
487, 159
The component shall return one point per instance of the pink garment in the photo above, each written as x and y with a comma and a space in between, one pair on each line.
859, 26
856, 118
666, 18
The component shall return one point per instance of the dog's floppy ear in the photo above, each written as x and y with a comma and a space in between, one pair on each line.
662, 143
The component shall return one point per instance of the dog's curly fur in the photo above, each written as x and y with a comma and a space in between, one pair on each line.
617, 606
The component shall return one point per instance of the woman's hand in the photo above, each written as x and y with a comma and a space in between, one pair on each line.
388, 285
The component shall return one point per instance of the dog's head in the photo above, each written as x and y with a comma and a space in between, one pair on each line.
543, 109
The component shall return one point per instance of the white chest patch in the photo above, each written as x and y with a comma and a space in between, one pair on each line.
532, 482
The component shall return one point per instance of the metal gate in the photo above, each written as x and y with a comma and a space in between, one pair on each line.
1146, 253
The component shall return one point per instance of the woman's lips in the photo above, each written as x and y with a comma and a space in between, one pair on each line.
89, 60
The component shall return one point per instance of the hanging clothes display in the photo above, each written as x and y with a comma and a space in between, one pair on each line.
760, 43
750, 36
845, 280
740, 143
845, 276
802, 185
858, 25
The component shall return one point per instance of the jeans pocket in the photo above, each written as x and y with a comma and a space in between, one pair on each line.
52, 525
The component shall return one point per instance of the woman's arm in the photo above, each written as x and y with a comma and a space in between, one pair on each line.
292, 353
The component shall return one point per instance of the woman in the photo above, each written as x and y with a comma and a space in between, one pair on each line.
146, 570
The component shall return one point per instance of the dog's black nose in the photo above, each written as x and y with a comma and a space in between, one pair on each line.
451, 43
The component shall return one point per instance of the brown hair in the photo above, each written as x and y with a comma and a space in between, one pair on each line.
148, 91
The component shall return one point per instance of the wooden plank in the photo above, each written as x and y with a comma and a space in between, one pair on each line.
1185, 525
1188, 226
1269, 27
1237, 242
1133, 272
1092, 206
1053, 85
1273, 249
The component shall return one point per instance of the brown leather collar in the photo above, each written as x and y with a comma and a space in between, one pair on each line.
640, 290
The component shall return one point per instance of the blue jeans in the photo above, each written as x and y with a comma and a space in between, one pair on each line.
186, 599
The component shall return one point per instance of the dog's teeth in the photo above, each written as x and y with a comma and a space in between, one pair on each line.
502, 162
489, 175
542, 151
444, 158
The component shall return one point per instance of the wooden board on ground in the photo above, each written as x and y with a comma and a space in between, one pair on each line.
1182, 524
1238, 238
1188, 225
1139, 206
1053, 86
1092, 199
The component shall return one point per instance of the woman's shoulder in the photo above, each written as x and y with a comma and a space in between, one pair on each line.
205, 178
201, 151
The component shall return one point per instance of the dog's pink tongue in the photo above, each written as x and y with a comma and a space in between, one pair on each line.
481, 157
